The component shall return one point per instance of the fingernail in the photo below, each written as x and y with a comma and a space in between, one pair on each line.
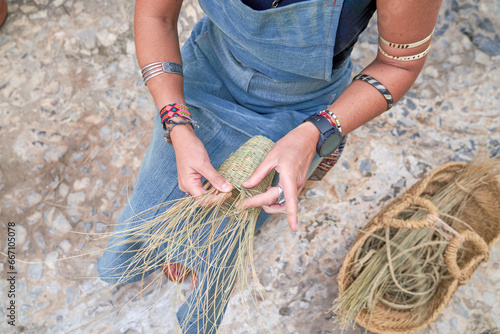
244, 184
226, 187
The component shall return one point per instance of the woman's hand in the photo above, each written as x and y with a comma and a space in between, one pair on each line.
193, 163
291, 157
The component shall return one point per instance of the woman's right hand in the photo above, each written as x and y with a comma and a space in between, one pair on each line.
193, 163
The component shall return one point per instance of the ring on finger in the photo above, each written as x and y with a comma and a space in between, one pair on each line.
281, 195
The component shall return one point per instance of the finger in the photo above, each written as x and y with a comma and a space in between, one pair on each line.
195, 189
289, 186
264, 168
215, 198
216, 180
264, 199
275, 208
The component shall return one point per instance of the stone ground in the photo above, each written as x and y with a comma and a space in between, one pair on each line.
76, 120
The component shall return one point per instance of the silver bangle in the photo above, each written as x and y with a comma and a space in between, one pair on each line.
152, 70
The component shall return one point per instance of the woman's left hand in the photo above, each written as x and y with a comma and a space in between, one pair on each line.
291, 157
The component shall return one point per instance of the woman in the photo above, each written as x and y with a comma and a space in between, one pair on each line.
261, 67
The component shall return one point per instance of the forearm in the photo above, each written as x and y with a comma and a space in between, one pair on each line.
361, 102
156, 40
400, 22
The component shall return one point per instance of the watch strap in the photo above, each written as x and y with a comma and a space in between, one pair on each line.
328, 162
321, 122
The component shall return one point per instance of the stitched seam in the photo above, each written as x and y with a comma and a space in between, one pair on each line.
328, 37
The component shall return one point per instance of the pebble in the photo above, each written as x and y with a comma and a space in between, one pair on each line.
41, 14
24, 314
65, 245
443, 327
52, 287
75, 199
489, 298
33, 198
39, 239
81, 184
77, 155
454, 323
50, 260
71, 295
60, 223
106, 38
54, 153
88, 286
431, 71
105, 133
28, 9
365, 166
481, 58
461, 310
21, 234
100, 227
35, 270
88, 37
487, 44
63, 189
87, 226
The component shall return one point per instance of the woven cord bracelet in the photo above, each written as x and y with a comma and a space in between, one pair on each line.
378, 86
172, 110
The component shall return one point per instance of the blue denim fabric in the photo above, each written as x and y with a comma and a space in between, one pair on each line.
246, 73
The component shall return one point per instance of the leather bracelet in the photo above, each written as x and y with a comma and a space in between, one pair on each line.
378, 86
406, 58
173, 124
406, 46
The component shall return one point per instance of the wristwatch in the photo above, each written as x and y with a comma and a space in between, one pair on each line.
330, 137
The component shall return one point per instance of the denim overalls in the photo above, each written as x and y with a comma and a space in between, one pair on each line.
246, 73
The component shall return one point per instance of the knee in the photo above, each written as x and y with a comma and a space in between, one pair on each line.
122, 267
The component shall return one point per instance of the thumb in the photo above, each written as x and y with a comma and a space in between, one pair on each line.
216, 180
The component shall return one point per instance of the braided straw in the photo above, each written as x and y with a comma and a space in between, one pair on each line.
481, 251
241, 164
214, 240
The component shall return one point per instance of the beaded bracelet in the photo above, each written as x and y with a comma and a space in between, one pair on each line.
378, 86
172, 110
332, 118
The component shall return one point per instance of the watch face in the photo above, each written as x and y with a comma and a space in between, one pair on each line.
330, 144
